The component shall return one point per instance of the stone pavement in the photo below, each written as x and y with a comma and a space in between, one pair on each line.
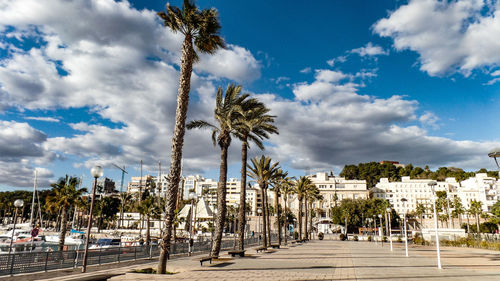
337, 260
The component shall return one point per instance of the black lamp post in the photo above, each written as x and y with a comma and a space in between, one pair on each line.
96, 172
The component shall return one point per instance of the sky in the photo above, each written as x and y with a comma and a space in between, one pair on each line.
94, 82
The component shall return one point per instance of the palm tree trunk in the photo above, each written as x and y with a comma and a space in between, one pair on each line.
242, 213
306, 233
264, 229
278, 222
300, 218
285, 220
310, 220
268, 222
221, 201
477, 223
177, 143
62, 234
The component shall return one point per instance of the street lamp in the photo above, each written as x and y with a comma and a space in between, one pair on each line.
389, 223
432, 184
19, 203
404, 222
494, 154
234, 226
192, 196
96, 172
374, 228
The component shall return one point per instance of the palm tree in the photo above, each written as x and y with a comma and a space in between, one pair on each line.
420, 210
276, 184
476, 210
263, 171
286, 189
255, 125
301, 187
312, 195
65, 195
228, 109
148, 208
202, 29
459, 209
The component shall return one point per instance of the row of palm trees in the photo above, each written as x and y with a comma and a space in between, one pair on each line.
237, 115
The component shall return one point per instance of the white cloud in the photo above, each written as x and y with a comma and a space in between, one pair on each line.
449, 36
306, 70
429, 119
45, 119
339, 59
369, 50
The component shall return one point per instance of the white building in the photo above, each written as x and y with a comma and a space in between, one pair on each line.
480, 188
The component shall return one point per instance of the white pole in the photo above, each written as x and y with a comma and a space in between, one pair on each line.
406, 236
436, 228
390, 229
33, 201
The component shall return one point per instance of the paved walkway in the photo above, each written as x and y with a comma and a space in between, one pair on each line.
337, 260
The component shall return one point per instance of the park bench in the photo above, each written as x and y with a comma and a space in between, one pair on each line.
275, 246
233, 253
261, 249
293, 241
207, 258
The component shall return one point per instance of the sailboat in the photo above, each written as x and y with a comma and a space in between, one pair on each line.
24, 237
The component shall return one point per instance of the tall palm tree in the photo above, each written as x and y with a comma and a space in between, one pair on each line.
312, 195
459, 209
421, 210
255, 125
276, 183
263, 171
476, 210
65, 195
300, 189
148, 208
200, 29
286, 189
228, 109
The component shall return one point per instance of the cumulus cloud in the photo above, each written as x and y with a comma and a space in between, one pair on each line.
119, 64
369, 50
330, 124
449, 36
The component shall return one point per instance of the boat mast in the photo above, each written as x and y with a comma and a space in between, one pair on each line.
33, 201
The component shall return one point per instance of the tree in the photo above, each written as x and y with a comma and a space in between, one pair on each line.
65, 195
149, 209
276, 183
300, 189
263, 171
459, 209
286, 187
228, 110
312, 195
106, 210
421, 211
202, 29
476, 210
255, 125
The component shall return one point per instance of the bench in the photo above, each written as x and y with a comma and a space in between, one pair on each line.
293, 241
207, 258
236, 252
261, 249
275, 246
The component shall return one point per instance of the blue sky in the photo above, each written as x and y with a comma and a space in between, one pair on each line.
350, 81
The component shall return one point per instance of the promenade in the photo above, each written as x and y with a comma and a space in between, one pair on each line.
337, 260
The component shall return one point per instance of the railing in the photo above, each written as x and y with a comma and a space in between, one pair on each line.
18, 263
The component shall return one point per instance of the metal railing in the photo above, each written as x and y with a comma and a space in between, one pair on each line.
18, 263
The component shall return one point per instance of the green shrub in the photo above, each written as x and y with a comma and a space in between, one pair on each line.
370, 238
355, 238
400, 239
320, 236
384, 239
342, 236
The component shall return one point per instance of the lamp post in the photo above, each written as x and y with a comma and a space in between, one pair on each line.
432, 184
404, 222
19, 203
381, 229
494, 154
389, 223
192, 196
374, 228
96, 172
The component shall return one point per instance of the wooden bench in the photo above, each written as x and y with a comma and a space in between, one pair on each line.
275, 246
293, 241
207, 258
261, 249
236, 252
